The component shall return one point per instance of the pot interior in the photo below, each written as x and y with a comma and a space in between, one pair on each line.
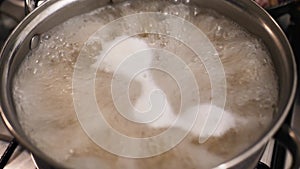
53, 13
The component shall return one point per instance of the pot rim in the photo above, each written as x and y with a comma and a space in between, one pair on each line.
227, 164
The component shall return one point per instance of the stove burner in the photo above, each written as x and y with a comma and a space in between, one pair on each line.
8, 153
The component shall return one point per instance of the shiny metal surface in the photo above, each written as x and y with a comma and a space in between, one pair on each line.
34, 43
14, 12
296, 114
21, 158
31, 5
244, 12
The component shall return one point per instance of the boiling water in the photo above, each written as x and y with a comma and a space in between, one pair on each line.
43, 92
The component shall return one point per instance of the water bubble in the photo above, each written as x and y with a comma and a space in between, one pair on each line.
195, 59
163, 44
66, 77
46, 37
219, 32
265, 62
196, 11
35, 71
71, 151
76, 44
257, 99
126, 4
220, 47
176, 1
106, 70
52, 46
61, 54
67, 45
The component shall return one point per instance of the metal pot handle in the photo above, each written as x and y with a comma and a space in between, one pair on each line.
288, 138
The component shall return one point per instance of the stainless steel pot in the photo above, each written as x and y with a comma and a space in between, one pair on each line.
244, 12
